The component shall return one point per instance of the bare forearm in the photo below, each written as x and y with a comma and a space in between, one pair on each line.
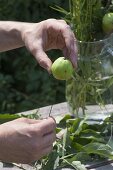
11, 35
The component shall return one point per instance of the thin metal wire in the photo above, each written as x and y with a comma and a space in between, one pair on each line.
50, 110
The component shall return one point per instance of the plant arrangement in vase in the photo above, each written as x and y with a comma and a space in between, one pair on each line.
92, 81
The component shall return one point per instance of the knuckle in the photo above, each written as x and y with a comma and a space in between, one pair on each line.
53, 124
23, 119
63, 21
51, 20
53, 121
42, 62
33, 49
66, 27
35, 131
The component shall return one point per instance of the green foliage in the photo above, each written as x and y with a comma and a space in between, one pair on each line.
83, 140
24, 84
8, 117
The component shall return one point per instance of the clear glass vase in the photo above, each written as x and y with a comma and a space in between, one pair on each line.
90, 90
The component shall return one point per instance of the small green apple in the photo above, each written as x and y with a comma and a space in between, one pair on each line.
62, 69
107, 22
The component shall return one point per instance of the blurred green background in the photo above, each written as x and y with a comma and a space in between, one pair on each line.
24, 85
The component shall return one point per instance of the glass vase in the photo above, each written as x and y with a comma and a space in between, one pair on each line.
90, 89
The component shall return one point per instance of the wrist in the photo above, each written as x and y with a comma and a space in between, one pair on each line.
26, 29
11, 34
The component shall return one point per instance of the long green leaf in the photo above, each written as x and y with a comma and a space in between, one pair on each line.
8, 117
103, 150
76, 165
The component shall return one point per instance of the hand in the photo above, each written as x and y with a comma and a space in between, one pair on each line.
47, 35
26, 140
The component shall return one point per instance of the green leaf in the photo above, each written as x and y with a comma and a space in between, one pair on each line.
65, 141
34, 115
59, 9
92, 134
63, 121
76, 146
103, 150
77, 126
76, 165
110, 142
8, 117
80, 156
53, 161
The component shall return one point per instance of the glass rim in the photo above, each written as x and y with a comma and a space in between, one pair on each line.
93, 42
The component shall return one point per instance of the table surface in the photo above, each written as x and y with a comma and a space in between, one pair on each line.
57, 109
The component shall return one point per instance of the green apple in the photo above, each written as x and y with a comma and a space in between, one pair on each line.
62, 69
107, 22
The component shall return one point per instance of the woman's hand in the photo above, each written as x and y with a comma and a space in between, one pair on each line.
39, 38
47, 35
26, 140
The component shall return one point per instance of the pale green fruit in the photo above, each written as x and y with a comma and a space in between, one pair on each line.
108, 22
62, 69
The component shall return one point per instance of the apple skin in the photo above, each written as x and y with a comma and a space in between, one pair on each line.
107, 22
62, 69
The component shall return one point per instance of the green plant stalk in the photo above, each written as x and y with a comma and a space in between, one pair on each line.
83, 14
81, 19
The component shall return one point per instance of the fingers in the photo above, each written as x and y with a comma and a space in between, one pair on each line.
46, 150
43, 152
43, 59
48, 136
70, 49
33, 42
63, 39
47, 35
46, 144
27, 120
46, 126
40, 55
49, 139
